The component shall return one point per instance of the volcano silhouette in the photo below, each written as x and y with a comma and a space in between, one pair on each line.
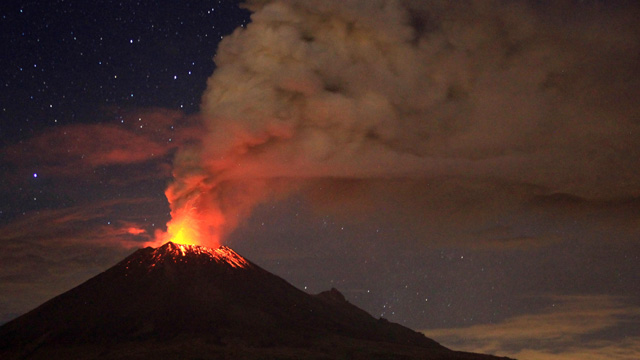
192, 302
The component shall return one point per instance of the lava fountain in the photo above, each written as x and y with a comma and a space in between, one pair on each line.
194, 221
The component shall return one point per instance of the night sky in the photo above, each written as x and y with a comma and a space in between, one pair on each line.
469, 170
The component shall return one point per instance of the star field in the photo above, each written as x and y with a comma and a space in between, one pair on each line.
72, 61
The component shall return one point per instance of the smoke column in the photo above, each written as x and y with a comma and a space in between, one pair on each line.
513, 91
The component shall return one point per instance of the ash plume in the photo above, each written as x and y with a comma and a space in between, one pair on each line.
509, 91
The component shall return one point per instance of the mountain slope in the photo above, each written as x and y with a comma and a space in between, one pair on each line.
186, 301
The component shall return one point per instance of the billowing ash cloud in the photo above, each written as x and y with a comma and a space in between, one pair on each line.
507, 91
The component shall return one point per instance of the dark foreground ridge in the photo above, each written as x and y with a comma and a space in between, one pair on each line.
192, 302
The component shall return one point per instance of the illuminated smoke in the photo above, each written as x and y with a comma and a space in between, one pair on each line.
504, 90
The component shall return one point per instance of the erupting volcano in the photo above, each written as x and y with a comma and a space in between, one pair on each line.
187, 301
181, 253
190, 224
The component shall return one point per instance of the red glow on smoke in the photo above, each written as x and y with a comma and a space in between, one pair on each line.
193, 223
135, 231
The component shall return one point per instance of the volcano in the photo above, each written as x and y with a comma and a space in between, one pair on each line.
192, 302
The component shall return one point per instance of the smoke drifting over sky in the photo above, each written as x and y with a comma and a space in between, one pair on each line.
466, 168
510, 92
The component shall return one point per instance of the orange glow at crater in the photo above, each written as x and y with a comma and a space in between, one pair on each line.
193, 223
183, 231
222, 254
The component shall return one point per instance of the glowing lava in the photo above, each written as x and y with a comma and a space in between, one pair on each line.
187, 253
193, 224
195, 219
183, 230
